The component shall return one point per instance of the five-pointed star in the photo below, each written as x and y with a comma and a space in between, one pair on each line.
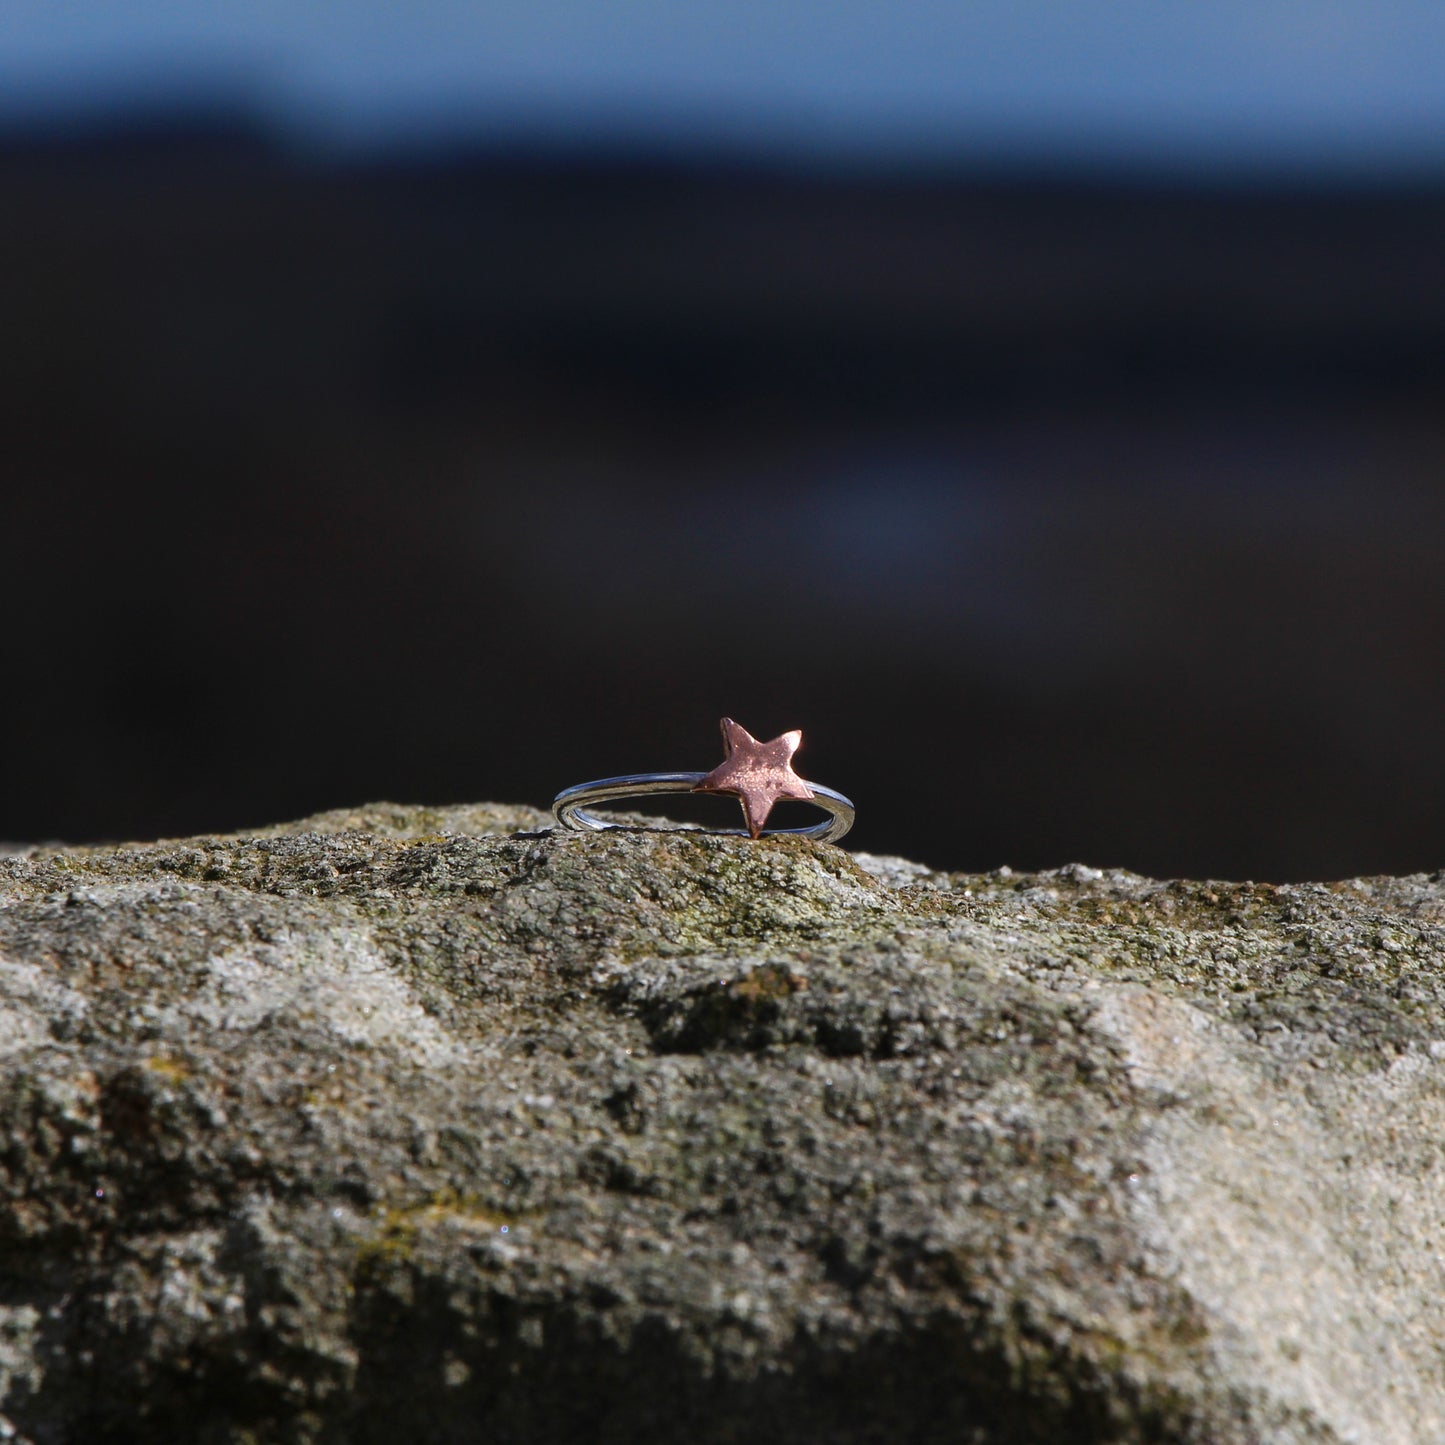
758, 773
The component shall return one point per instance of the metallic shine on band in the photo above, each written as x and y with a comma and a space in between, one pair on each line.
570, 805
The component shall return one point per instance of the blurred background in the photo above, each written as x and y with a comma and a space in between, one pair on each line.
1043, 406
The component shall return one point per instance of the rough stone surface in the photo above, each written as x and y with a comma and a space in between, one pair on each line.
438, 1125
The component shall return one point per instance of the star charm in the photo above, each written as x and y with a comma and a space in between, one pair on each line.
758, 773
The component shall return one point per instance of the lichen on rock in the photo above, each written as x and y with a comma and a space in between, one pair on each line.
443, 1124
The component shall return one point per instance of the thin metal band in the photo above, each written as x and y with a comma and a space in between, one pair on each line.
569, 806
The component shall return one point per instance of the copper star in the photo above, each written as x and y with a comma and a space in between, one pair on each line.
758, 773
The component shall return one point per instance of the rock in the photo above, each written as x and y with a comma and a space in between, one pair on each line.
439, 1125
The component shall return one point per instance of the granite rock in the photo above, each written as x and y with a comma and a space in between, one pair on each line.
441, 1125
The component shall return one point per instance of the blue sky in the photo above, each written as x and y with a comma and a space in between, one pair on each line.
1309, 83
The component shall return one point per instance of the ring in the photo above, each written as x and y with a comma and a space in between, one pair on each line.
758, 774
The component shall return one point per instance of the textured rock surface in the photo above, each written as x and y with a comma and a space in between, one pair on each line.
439, 1126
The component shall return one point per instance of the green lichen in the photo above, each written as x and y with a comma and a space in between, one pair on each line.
396, 1229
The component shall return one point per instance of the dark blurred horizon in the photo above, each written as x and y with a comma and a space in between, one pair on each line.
1074, 515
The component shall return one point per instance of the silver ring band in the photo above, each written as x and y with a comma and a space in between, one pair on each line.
570, 805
